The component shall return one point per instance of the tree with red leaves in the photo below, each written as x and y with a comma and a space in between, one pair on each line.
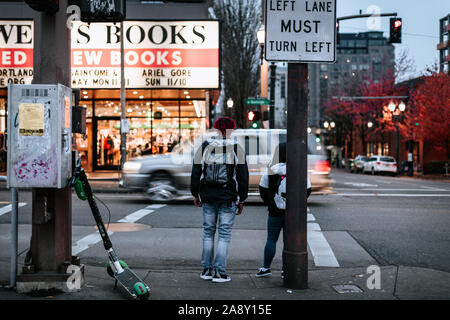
428, 116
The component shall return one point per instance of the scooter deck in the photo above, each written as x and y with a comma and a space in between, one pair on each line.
128, 279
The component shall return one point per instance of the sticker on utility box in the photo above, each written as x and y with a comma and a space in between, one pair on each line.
31, 117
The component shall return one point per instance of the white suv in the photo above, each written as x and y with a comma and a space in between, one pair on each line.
380, 164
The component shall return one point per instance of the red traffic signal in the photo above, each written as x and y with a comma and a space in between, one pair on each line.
395, 35
251, 115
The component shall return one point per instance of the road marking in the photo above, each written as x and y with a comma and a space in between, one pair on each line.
94, 238
389, 195
320, 248
87, 241
359, 184
384, 189
135, 216
8, 208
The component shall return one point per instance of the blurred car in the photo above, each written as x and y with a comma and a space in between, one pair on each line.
381, 164
358, 163
165, 177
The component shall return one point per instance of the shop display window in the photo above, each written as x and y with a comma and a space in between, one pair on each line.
2, 135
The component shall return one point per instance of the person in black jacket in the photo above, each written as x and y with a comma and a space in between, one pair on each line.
219, 184
268, 188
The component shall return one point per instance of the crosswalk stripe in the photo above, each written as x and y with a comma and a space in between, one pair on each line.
8, 208
322, 253
94, 238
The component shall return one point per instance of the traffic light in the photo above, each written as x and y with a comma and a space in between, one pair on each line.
395, 30
49, 6
254, 116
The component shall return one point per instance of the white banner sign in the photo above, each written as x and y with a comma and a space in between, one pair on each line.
300, 31
16, 52
157, 54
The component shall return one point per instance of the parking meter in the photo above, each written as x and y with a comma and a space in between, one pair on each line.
39, 136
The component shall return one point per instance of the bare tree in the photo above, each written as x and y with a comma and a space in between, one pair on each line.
240, 20
404, 65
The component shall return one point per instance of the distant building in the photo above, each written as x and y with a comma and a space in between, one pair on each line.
444, 44
360, 57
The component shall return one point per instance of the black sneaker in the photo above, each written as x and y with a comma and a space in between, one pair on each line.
206, 274
263, 272
220, 277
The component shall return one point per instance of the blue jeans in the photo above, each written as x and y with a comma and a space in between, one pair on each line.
221, 216
274, 227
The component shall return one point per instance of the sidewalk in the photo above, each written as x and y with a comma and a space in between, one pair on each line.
404, 283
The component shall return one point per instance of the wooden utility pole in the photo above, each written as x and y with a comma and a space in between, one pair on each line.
295, 253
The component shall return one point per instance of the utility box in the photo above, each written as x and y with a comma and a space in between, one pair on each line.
39, 136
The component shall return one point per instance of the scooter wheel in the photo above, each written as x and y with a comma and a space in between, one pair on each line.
110, 271
141, 290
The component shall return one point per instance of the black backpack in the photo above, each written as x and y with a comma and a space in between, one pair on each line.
218, 168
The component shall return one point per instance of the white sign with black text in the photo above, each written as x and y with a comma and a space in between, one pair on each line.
300, 31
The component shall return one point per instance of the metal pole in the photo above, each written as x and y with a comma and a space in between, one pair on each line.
397, 146
123, 115
14, 236
295, 253
273, 76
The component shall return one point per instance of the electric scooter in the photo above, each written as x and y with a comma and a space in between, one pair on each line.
116, 268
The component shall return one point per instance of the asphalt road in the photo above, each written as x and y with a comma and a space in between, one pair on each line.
369, 220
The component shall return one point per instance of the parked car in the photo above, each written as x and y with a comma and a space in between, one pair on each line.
165, 177
381, 164
358, 164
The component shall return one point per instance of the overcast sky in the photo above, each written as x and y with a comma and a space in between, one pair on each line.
420, 24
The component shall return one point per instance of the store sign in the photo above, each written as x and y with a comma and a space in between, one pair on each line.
16, 52
157, 54
300, 31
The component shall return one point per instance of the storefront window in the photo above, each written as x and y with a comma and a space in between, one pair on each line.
193, 108
108, 142
2, 135
84, 141
158, 121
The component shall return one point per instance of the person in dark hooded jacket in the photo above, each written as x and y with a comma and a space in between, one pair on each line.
268, 188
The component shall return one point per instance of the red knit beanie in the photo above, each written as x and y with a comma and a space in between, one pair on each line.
223, 124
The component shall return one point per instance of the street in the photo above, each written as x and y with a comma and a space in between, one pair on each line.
370, 220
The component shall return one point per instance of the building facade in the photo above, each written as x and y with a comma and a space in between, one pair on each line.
444, 44
172, 64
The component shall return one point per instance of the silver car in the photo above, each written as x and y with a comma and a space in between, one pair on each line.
166, 177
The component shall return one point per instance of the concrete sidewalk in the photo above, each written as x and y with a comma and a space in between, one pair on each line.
178, 283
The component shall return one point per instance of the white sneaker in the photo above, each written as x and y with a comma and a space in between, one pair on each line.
206, 274
221, 277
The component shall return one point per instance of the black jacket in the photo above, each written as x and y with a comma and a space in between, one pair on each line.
268, 187
236, 189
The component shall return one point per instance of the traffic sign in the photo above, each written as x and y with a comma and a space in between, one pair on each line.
257, 101
300, 31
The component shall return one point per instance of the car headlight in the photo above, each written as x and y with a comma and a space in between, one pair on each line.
132, 166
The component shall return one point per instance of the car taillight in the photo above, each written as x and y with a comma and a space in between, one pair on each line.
322, 166
378, 163
394, 164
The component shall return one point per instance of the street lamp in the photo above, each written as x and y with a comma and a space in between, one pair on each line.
261, 36
230, 103
370, 124
393, 107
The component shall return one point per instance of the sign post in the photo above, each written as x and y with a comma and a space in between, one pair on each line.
298, 32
